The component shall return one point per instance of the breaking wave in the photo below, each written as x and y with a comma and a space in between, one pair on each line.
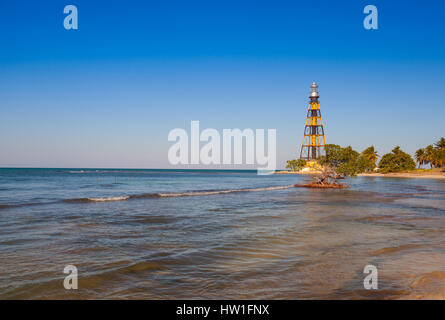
104, 199
213, 192
177, 194
155, 195
108, 199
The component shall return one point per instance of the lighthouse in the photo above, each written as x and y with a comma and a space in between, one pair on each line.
313, 138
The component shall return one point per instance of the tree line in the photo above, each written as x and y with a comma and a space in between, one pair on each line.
433, 155
348, 162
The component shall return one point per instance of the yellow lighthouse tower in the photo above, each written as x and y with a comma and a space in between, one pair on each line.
314, 138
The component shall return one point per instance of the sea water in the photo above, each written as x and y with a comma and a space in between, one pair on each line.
190, 234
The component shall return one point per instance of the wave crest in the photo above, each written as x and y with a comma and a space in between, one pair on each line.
155, 195
213, 192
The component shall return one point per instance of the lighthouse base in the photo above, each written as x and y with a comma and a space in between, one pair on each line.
312, 167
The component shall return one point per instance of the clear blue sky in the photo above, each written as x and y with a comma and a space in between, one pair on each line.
107, 94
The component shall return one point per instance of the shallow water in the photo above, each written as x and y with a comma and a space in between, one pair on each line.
168, 234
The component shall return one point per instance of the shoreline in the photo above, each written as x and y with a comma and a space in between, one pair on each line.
424, 175
404, 175
297, 172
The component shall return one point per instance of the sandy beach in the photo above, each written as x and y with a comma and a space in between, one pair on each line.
423, 175
418, 175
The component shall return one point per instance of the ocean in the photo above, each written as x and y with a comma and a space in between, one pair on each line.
191, 234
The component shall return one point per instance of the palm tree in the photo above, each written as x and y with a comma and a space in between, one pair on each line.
371, 154
420, 156
429, 155
438, 157
441, 156
440, 152
440, 144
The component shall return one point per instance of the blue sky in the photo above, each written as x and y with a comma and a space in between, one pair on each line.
107, 94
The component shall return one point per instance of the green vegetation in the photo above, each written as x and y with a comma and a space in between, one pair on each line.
396, 161
371, 156
296, 165
348, 162
432, 155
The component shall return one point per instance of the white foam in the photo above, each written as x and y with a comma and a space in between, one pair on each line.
206, 193
109, 199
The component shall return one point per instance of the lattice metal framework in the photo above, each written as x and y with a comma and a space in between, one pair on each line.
314, 138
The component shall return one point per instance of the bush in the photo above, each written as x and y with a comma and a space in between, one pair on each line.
396, 161
344, 161
296, 165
